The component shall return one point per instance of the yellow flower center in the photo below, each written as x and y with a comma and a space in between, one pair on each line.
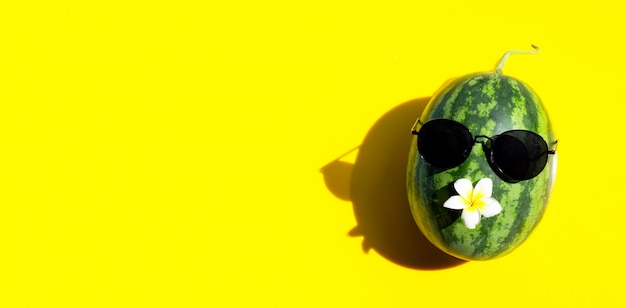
475, 201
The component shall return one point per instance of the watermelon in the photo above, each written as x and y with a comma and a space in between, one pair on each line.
487, 103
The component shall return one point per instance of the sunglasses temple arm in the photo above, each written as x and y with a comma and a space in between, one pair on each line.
553, 151
414, 128
550, 152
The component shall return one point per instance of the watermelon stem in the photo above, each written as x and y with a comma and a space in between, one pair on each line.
514, 52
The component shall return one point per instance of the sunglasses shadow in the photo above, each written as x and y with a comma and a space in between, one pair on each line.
376, 185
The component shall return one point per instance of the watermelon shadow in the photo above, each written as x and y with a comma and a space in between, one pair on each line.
376, 185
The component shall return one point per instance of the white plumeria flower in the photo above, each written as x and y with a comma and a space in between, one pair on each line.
475, 202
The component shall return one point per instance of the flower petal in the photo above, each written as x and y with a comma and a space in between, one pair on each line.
464, 188
491, 208
470, 217
455, 202
483, 189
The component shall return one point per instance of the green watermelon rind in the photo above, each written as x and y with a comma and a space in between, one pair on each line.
488, 104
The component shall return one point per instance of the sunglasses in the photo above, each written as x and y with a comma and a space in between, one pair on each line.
515, 155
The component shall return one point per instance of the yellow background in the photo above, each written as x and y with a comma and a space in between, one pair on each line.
168, 153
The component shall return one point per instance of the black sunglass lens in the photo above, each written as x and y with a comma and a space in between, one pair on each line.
520, 154
444, 143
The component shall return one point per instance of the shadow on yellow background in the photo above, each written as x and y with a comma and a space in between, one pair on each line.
376, 185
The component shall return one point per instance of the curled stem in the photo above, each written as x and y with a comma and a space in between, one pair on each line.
515, 52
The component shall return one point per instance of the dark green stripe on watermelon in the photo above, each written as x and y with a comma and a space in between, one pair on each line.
488, 104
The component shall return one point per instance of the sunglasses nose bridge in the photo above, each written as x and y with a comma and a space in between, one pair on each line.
485, 143
482, 139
